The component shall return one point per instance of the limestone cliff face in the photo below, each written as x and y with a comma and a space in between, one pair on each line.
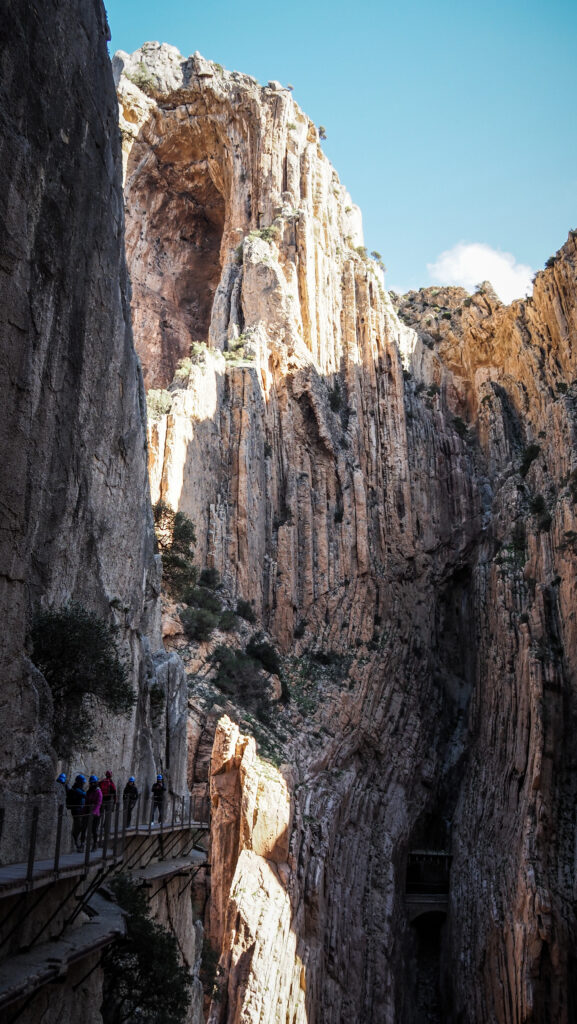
397, 495
76, 522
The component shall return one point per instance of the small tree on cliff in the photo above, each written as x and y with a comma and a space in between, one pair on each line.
144, 978
77, 653
176, 538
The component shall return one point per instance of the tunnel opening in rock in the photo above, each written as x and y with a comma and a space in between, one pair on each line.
175, 216
427, 934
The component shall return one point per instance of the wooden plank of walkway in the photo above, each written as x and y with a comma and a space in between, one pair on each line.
23, 973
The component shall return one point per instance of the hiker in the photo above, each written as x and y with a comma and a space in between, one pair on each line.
158, 791
94, 804
76, 802
130, 796
108, 790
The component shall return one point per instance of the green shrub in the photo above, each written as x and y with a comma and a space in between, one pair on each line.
264, 652
158, 403
299, 629
322, 132
143, 79
460, 426
538, 505
210, 578
550, 262
245, 610
198, 623
529, 455
183, 370
144, 978
176, 538
267, 234
238, 675
77, 653
201, 597
228, 621
198, 351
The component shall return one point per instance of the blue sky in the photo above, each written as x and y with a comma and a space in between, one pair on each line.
450, 124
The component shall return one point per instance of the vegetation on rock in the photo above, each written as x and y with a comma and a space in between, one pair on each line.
77, 653
176, 538
158, 403
144, 978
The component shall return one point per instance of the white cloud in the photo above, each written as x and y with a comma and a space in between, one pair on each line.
469, 264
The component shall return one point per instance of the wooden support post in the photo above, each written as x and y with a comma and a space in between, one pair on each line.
32, 845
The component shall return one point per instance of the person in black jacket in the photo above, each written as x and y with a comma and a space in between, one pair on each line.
158, 791
76, 802
130, 796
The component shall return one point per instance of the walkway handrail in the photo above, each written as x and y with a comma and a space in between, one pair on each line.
45, 843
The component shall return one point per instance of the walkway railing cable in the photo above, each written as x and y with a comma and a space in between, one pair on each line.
49, 851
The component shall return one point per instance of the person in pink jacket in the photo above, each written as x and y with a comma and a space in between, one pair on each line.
94, 803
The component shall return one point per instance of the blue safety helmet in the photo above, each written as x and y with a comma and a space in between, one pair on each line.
93, 778
80, 778
61, 777
131, 779
159, 778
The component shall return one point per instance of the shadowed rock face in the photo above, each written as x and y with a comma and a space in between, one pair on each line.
173, 243
76, 522
396, 494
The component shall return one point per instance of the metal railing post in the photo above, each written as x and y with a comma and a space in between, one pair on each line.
1, 822
173, 810
189, 809
182, 811
58, 839
87, 839
124, 825
106, 831
32, 845
115, 840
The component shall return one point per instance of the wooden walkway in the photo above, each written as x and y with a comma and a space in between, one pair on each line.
117, 842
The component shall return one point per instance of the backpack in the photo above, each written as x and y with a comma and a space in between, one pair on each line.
108, 788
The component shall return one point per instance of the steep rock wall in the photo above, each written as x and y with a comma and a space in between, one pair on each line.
76, 523
373, 484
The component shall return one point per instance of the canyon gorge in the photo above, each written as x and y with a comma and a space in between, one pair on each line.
384, 496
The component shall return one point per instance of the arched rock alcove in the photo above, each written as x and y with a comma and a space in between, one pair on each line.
175, 215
